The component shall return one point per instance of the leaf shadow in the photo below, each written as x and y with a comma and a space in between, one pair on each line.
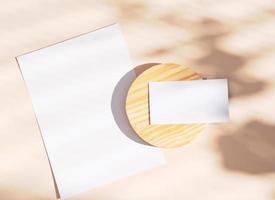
250, 149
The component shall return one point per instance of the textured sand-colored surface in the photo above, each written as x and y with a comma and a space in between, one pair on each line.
219, 39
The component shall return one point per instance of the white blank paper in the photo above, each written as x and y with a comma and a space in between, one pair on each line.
185, 102
71, 86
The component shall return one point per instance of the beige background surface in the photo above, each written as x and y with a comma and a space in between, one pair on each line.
219, 39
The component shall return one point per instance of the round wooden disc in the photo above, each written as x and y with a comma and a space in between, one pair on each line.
137, 108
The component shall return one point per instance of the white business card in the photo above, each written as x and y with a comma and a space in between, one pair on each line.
185, 102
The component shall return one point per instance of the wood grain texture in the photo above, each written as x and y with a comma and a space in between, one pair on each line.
137, 108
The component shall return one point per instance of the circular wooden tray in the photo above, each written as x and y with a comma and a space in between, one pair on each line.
137, 108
